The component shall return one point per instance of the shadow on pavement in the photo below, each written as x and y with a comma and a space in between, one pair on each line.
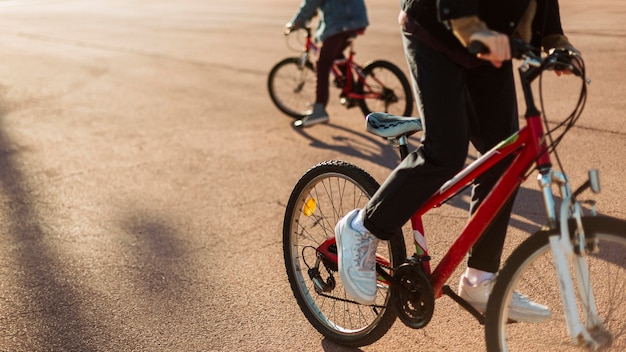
329, 346
47, 300
387, 157
158, 257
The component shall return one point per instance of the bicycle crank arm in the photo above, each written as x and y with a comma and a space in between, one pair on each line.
392, 282
463, 303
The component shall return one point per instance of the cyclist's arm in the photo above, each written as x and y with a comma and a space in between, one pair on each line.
542, 16
306, 11
548, 22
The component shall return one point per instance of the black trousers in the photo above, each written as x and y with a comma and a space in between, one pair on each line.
332, 48
457, 105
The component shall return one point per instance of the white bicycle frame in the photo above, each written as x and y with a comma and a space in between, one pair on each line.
563, 248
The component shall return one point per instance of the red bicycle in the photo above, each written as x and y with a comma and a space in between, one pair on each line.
575, 264
378, 86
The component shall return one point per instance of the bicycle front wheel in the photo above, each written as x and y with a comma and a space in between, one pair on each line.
385, 89
530, 271
291, 85
322, 196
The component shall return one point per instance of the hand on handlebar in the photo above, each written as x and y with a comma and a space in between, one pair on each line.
289, 27
498, 47
561, 61
565, 62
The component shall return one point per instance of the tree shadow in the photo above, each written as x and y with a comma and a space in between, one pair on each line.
47, 300
49, 307
329, 346
158, 257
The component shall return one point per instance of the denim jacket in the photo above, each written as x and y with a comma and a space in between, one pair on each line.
336, 16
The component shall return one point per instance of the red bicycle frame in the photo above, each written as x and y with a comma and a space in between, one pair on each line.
351, 68
527, 146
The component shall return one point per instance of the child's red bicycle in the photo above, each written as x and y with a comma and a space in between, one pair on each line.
575, 264
378, 86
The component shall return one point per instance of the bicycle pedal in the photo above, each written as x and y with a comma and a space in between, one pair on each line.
348, 103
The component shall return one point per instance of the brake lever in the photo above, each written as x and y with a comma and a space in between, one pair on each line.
561, 60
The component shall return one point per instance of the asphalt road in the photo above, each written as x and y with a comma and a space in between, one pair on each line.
144, 172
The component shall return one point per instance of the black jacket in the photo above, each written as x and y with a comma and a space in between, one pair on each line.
499, 15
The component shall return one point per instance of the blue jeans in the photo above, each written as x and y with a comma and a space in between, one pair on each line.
457, 105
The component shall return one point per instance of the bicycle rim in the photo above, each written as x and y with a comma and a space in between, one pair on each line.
322, 197
530, 271
386, 89
291, 86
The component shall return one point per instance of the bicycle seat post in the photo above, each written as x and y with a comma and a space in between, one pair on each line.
403, 146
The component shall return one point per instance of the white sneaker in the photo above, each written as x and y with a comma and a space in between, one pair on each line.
357, 260
315, 116
521, 309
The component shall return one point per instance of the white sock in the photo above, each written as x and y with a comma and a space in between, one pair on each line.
357, 222
475, 276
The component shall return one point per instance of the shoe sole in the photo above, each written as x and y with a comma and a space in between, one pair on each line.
533, 319
516, 316
301, 123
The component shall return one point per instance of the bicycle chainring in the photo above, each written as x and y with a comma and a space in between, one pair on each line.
415, 302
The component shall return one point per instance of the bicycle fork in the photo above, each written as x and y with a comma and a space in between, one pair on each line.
575, 245
304, 59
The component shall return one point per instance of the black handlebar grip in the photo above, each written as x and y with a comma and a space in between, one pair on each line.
476, 47
518, 47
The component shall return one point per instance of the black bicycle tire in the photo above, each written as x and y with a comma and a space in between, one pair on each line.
290, 111
396, 246
601, 225
397, 72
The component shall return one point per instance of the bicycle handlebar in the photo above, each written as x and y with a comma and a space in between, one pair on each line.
289, 30
476, 47
519, 49
559, 59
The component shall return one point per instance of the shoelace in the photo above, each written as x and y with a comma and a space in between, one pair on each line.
365, 255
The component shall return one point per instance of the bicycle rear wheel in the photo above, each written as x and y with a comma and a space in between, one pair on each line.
322, 196
291, 86
386, 89
530, 271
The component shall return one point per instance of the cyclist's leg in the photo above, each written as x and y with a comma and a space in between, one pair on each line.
486, 253
493, 117
443, 152
439, 87
493, 100
332, 47
340, 54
